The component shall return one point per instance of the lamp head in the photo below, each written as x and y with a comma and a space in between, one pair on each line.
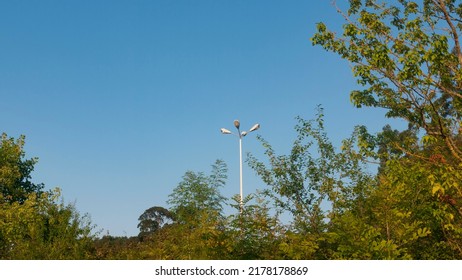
255, 127
225, 131
237, 124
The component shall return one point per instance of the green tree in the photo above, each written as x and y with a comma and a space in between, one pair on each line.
43, 228
425, 195
117, 248
317, 185
153, 219
15, 170
253, 232
314, 172
408, 210
407, 58
196, 206
198, 193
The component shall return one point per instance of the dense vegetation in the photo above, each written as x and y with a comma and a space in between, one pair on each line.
407, 60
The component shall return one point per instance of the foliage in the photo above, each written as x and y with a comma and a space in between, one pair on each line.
339, 209
408, 210
153, 219
43, 228
198, 193
312, 174
407, 57
115, 248
197, 213
35, 224
15, 171
405, 218
253, 232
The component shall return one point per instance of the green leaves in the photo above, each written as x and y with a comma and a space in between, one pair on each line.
153, 219
43, 228
35, 224
407, 59
15, 184
198, 193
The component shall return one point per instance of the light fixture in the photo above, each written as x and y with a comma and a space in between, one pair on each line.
225, 131
240, 134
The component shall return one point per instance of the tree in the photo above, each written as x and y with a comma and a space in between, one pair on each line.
153, 219
407, 58
15, 171
313, 173
43, 228
317, 184
198, 193
116, 248
408, 210
34, 224
422, 196
196, 207
253, 232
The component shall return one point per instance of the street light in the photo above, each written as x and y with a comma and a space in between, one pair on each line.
240, 134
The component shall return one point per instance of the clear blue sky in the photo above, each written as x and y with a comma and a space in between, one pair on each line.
118, 99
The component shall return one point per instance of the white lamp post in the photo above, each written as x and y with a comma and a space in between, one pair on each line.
240, 135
